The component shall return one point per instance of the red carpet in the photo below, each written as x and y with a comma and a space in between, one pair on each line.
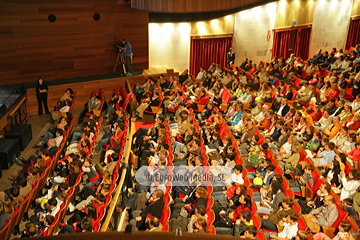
144, 125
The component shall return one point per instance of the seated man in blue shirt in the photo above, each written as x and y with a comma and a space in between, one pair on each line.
272, 79
325, 156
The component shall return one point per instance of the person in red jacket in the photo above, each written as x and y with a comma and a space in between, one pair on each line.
199, 100
245, 204
228, 217
333, 92
316, 114
354, 122
354, 155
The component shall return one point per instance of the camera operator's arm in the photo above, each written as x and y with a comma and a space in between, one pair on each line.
118, 46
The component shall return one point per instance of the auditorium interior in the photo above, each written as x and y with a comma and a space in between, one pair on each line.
263, 92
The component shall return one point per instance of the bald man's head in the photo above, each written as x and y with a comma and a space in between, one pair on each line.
329, 200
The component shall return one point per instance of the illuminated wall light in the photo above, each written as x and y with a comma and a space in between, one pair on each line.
166, 30
201, 28
228, 17
282, 6
214, 22
345, 4
184, 26
200, 24
256, 10
245, 13
271, 7
168, 27
334, 5
154, 31
214, 25
184, 30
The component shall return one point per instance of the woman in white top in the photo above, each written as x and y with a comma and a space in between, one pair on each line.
339, 53
349, 184
301, 127
266, 205
62, 111
349, 144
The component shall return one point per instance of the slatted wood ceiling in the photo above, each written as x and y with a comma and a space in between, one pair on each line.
188, 6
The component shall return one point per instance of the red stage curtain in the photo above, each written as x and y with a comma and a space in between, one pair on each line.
205, 51
353, 36
302, 42
281, 43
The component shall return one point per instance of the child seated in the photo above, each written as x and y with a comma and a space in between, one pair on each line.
267, 178
261, 169
295, 184
256, 159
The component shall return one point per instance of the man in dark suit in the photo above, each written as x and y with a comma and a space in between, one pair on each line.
289, 78
147, 104
277, 132
337, 110
52, 148
243, 64
284, 108
230, 58
323, 58
154, 208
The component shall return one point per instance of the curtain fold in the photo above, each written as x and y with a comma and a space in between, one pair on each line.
302, 43
281, 43
353, 36
205, 51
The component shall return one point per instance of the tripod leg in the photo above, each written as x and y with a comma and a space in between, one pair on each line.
117, 59
123, 62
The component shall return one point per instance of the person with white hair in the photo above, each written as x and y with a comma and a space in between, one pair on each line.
261, 115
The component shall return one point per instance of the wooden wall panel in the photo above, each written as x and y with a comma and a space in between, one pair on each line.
300, 10
73, 46
188, 6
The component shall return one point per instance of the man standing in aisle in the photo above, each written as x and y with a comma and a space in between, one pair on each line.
230, 58
126, 46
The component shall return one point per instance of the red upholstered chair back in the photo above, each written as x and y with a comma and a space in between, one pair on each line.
302, 223
257, 221
260, 235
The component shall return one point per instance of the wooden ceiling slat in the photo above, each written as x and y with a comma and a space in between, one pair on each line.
188, 6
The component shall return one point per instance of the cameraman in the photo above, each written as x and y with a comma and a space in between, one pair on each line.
126, 47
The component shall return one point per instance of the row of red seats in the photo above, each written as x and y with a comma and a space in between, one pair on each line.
14, 220
101, 215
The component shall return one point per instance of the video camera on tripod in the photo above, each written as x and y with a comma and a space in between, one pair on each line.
117, 46
121, 56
